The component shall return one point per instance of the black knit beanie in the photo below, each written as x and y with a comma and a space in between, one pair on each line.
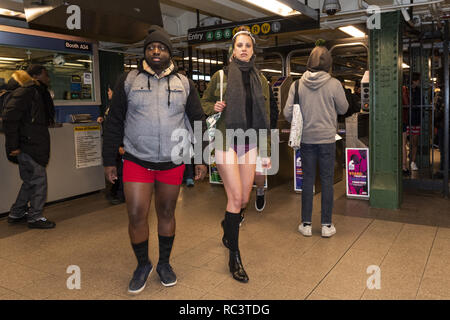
158, 34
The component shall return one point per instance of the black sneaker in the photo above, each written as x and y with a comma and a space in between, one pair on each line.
166, 274
41, 224
260, 202
17, 220
140, 276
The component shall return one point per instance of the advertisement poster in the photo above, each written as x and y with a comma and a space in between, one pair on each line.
88, 151
298, 172
357, 172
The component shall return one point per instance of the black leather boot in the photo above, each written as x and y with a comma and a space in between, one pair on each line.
236, 267
224, 238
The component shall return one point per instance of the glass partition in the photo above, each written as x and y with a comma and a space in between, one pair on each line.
71, 74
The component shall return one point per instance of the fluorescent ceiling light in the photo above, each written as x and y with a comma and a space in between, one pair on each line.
73, 64
405, 66
201, 77
81, 60
11, 13
204, 60
10, 59
130, 66
354, 32
278, 71
271, 70
274, 6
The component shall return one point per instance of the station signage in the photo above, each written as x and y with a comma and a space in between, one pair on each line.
75, 45
258, 27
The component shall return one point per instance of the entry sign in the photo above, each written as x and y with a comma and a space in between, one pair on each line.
357, 172
262, 27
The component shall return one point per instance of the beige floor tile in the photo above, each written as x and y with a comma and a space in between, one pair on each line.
210, 296
441, 247
277, 290
14, 296
408, 261
422, 296
443, 233
43, 288
438, 266
394, 286
435, 286
204, 280
195, 258
232, 289
3, 292
315, 296
178, 292
343, 283
15, 276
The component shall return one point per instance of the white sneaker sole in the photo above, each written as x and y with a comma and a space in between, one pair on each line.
329, 235
305, 234
169, 284
260, 210
143, 287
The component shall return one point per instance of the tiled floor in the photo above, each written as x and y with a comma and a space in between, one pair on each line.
410, 246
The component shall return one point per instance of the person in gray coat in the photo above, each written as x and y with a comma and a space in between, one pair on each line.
322, 98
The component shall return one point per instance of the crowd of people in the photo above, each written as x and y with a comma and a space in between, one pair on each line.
146, 106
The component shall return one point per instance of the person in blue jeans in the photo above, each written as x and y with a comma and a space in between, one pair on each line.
322, 98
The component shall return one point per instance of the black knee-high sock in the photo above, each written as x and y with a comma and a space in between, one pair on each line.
165, 248
141, 252
232, 221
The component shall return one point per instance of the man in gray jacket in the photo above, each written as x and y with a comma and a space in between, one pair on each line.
148, 105
322, 98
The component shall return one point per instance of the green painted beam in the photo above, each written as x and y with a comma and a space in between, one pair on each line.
386, 57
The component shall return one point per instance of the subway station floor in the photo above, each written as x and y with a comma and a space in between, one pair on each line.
410, 246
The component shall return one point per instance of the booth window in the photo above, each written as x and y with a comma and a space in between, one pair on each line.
71, 74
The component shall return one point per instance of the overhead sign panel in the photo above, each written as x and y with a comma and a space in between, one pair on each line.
260, 27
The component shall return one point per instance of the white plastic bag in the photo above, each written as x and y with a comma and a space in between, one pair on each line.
295, 137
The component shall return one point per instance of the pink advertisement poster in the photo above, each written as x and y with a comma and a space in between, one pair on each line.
357, 172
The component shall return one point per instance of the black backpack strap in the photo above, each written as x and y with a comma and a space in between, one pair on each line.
296, 96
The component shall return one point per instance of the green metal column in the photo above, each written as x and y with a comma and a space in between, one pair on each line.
386, 58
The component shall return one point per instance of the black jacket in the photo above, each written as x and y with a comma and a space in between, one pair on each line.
27, 115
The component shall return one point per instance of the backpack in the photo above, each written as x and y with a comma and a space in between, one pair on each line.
4, 97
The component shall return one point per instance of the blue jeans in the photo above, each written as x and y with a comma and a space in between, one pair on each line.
325, 155
33, 190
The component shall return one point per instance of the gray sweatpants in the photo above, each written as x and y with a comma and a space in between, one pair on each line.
33, 190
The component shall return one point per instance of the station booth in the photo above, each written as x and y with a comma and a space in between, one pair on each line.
75, 166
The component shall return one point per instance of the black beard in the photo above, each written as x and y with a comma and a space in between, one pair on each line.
158, 68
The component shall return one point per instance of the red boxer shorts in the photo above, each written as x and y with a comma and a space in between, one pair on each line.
133, 172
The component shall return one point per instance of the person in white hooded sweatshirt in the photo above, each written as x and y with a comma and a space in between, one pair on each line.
322, 98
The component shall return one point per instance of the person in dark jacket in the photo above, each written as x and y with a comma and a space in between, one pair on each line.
27, 115
147, 106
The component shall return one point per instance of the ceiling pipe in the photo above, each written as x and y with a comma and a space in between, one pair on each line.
405, 14
387, 8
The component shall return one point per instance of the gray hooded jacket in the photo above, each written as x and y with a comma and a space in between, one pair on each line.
322, 98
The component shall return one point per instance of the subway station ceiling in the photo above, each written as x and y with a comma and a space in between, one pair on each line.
121, 25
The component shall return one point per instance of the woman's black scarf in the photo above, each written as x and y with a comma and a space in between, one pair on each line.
235, 97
